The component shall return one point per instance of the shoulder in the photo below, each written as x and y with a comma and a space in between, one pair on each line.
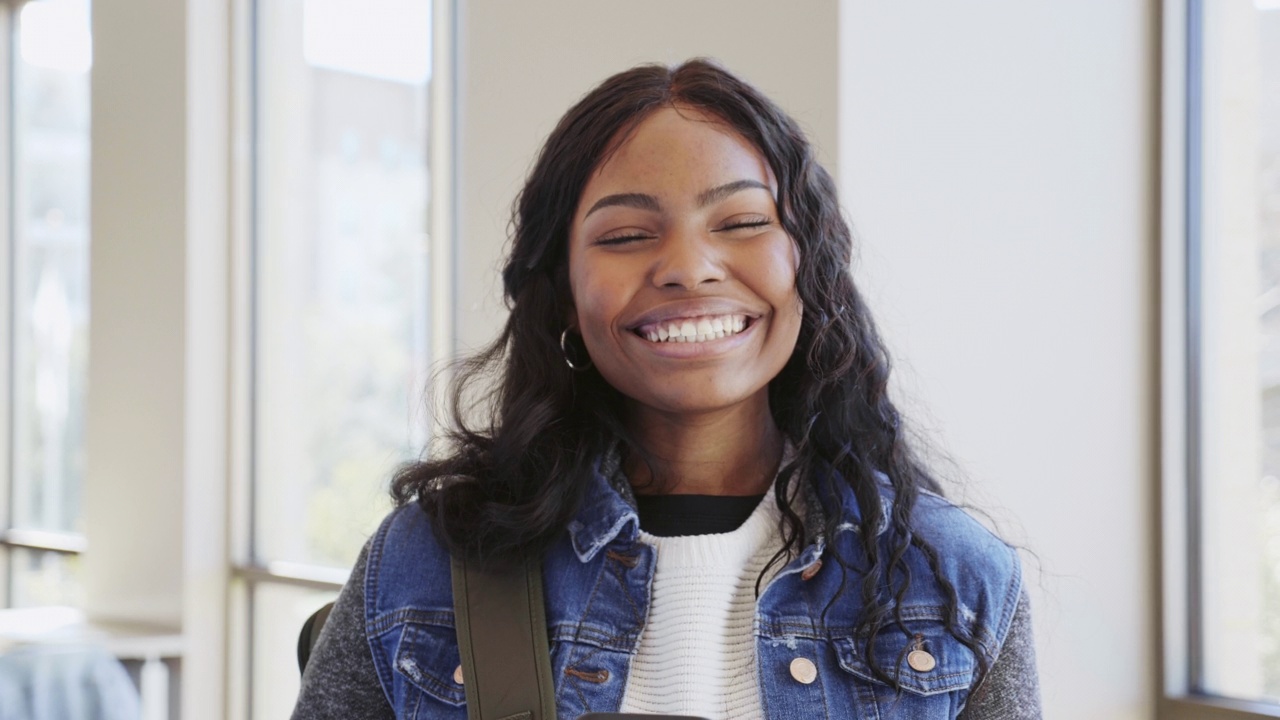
409, 619
960, 537
408, 568
984, 570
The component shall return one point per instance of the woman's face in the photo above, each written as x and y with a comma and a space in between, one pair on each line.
683, 280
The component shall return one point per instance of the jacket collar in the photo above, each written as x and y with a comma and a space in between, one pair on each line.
608, 510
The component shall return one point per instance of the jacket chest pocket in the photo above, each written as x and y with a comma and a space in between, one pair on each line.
935, 672
428, 670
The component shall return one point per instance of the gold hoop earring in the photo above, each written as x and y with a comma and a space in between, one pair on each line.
564, 348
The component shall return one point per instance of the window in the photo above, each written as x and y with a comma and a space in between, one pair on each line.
341, 308
48, 53
1222, 350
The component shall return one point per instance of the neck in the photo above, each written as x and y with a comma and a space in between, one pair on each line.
735, 451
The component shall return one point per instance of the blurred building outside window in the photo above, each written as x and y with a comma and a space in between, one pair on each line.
340, 307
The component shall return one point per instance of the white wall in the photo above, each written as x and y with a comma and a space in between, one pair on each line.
523, 64
996, 158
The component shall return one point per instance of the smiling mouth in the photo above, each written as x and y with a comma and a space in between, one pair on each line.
694, 329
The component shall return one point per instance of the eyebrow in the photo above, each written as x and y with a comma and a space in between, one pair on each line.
716, 194
641, 201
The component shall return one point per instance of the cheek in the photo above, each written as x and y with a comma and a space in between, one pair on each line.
596, 301
779, 276
785, 297
582, 290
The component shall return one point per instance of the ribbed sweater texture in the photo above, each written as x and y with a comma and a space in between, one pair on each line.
697, 651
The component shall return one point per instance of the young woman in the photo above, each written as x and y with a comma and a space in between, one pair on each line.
687, 421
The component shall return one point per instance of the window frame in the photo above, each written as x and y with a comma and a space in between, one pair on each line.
7, 10
1180, 641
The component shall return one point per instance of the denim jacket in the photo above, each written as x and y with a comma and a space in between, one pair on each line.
597, 580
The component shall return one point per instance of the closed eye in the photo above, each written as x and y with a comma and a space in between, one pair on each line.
622, 239
744, 224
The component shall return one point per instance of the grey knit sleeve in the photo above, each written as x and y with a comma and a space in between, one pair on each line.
1011, 689
340, 681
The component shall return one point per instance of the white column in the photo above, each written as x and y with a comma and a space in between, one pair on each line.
155, 481
138, 268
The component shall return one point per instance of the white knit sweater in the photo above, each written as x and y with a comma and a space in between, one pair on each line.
697, 651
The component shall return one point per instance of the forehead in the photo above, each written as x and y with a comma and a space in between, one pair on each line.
674, 151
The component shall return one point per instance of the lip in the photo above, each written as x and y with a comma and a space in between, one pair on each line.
688, 309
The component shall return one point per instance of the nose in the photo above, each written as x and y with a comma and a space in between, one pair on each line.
687, 260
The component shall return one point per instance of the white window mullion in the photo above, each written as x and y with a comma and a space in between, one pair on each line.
6, 299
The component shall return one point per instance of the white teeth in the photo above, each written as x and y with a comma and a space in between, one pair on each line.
696, 329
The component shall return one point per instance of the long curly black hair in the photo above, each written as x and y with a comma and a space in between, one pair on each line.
527, 431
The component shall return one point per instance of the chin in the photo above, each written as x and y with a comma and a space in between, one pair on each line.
690, 403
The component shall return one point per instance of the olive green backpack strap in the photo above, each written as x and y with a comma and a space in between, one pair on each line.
502, 639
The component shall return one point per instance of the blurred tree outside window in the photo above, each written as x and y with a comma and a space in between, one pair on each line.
49, 258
